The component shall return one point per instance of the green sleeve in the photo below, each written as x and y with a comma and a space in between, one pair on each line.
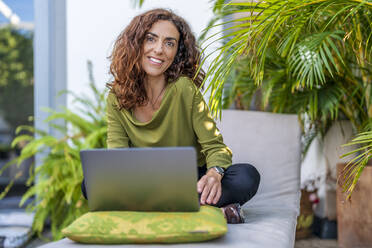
116, 134
208, 135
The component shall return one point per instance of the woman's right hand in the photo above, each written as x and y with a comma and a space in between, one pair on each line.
209, 186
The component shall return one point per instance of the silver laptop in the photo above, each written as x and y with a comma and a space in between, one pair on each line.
141, 179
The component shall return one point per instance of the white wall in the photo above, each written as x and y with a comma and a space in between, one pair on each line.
93, 25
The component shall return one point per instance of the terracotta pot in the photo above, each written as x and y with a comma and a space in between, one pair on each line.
306, 217
354, 218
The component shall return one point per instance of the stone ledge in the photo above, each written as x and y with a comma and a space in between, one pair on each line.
14, 236
15, 227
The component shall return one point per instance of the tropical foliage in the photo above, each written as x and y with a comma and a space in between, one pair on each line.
355, 166
310, 57
55, 182
16, 77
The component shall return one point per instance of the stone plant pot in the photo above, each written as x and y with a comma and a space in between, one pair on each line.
354, 218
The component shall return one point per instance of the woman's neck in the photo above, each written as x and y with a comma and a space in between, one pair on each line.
154, 86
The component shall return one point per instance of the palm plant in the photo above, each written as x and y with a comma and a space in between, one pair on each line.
55, 183
310, 57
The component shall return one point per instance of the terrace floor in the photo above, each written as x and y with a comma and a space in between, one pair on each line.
315, 242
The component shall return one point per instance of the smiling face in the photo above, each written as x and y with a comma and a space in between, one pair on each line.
159, 48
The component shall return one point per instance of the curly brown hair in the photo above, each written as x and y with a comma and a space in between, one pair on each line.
128, 84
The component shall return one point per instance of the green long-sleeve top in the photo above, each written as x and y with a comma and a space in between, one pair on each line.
183, 119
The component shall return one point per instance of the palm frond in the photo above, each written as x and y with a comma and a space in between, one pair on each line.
353, 169
313, 57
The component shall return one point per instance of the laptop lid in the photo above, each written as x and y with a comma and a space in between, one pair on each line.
141, 179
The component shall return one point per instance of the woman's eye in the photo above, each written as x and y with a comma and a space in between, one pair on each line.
149, 38
170, 44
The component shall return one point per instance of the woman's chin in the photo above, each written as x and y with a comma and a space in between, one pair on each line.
154, 74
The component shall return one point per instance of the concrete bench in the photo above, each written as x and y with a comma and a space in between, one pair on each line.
271, 142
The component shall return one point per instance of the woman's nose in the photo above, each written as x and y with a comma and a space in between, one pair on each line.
158, 48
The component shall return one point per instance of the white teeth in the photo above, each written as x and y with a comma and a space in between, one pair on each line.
155, 60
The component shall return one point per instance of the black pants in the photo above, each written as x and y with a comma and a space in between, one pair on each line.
239, 184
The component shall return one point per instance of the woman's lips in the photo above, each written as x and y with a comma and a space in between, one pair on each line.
155, 61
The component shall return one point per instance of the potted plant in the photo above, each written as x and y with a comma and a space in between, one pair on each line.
54, 184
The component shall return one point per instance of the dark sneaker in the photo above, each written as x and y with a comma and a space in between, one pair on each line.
233, 213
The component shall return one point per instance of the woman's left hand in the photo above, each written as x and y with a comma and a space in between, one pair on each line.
210, 187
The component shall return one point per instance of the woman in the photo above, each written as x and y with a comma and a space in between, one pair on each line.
155, 101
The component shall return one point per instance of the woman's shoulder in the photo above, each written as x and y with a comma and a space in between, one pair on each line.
111, 97
186, 85
112, 100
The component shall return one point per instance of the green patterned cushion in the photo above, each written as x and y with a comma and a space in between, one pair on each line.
120, 227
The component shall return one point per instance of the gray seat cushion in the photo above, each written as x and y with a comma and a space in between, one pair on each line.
270, 142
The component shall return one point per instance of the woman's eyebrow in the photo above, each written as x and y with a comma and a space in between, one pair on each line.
167, 38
